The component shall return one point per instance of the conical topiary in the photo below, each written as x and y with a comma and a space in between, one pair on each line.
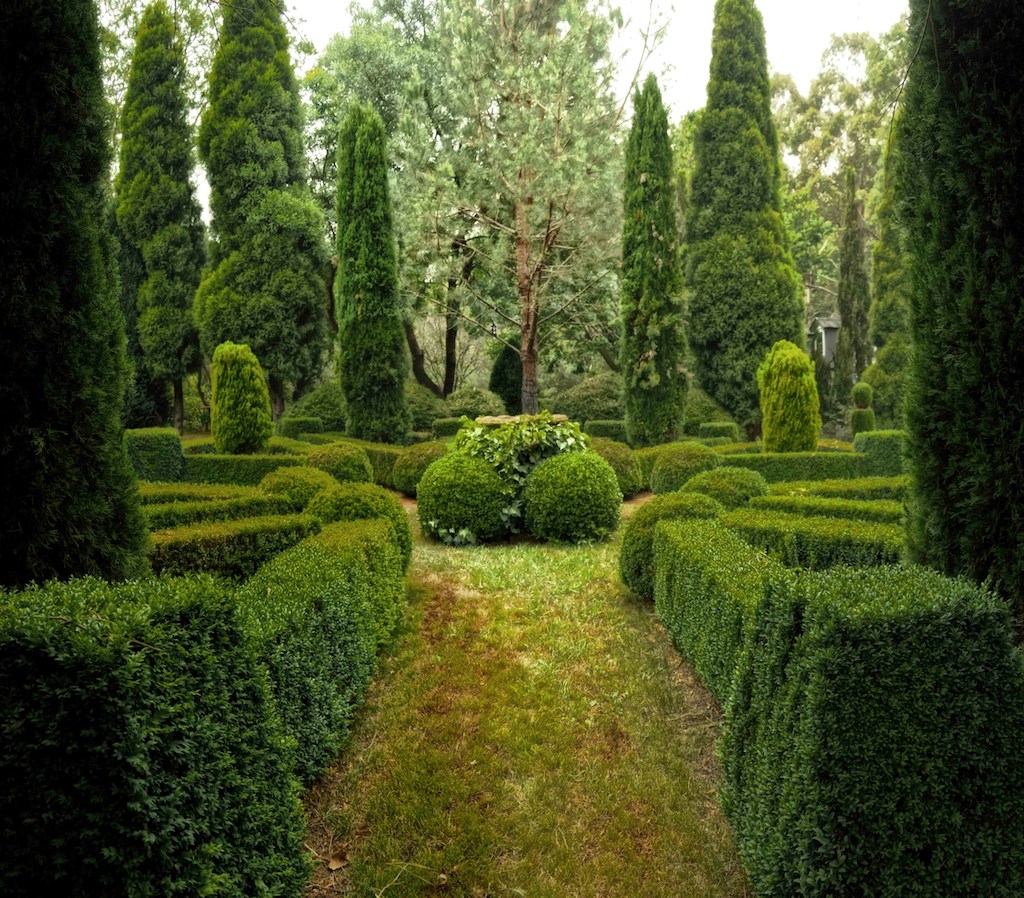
240, 416
790, 415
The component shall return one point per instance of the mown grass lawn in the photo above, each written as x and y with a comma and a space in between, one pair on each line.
531, 732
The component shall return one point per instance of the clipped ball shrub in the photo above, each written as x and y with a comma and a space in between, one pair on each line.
424, 406
596, 398
474, 402
240, 418
862, 394
299, 484
507, 379
413, 461
610, 429
326, 402
636, 557
732, 487
676, 463
572, 498
462, 500
712, 429
345, 462
790, 415
364, 501
624, 463
294, 427
155, 453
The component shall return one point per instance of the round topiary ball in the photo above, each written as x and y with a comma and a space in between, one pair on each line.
461, 500
299, 484
572, 498
624, 463
360, 501
862, 394
636, 558
732, 486
597, 398
345, 462
412, 462
240, 418
676, 463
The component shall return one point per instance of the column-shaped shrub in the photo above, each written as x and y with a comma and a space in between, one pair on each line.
862, 418
240, 402
790, 416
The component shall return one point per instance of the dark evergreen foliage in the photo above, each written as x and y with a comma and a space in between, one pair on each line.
854, 350
507, 379
958, 171
68, 503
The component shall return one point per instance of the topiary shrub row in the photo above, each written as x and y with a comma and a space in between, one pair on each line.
153, 493
732, 487
884, 452
294, 426
857, 488
611, 429
273, 446
412, 463
776, 466
382, 457
298, 484
230, 548
879, 511
363, 501
241, 470
166, 515
623, 462
676, 463
817, 543
154, 453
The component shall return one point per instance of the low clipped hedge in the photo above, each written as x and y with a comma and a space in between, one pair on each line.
636, 557
153, 493
879, 511
610, 429
411, 464
154, 453
242, 470
776, 466
624, 464
166, 515
294, 427
345, 462
815, 543
274, 446
446, 427
728, 429
733, 487
857, 488
142, 754
573, 497
883, 452
315, 616
382, 458
676, 463
363, 501
299, 485
462, 500
646, 457
874, 742
229, 548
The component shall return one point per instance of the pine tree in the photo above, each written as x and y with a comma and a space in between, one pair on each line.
68, 501
267, 288
854, 295
653, 342
958, 170
157, 212
373, 358
745, 289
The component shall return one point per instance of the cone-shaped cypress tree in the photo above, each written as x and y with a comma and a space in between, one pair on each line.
374, 360
653, 342
789, 400
958, 171
68, 502
853, 357
745, 288
157, 211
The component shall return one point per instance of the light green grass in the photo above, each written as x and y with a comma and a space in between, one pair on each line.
531, 733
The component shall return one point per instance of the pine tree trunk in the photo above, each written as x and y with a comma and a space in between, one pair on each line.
179, 406
528, 317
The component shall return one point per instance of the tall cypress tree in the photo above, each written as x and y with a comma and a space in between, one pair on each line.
958, 170
854, 352
267, 288
653, 342
745, 289
157, 211
68, 502
373, 358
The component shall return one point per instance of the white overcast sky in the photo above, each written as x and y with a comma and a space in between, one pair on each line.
797, 33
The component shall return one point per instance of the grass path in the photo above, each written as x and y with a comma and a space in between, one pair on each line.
530, 733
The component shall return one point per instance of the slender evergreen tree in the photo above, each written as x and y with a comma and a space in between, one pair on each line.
854, 353
507, 379
373, 358
958, 171
68, 502
653, 341
157, 211
745, 289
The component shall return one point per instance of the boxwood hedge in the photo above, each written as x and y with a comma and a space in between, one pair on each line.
857, 488
880, 511
155, 493
573, 497
154, 453
462, 500
298, 484
776, 466
412, 462
166, 515
362, 501
733, 487
243, 470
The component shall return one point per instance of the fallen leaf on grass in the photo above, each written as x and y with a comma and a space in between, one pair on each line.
338, 860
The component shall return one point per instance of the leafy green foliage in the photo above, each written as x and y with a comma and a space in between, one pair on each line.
853, 352
636, 557
424, 406
346, 462
462, 500
653, 342
68, 503
158, 493
676, 463
167, 515
240, 470
596, 398
571, 498
145, 734
624, 464
884, 452
727, 429
862, 394
298, 483
326, 402
610, 430
776, 466
446, 427
507, 379
733, 487
362, 501
410, 465
872, 488
862, 420
882, 511
790, 419
239, 403
295, 426
472, 402
702, 409
154, 453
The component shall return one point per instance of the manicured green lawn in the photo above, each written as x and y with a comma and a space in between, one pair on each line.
531, 733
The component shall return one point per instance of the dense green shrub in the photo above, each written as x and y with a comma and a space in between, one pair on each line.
624, 464
861, 394
274, 446
732, 487
790, 418
817, 543
239, 403
862, 420
611, 429
412, 462
295, 426
636, 558
345, 462
676, 463
167, 515
154, 453
361, 501
596, 398
702, 409
298, 484
446, 427
424, 406
242, 470
883, 452
155, 493
728, 429
472, 402
573, 497
315, 615
857, 488
875, 741
463, 500
776, 466
507, 379
738, 448
382, 458
646, 457
880, 511
142, 754
326, 402
229, 548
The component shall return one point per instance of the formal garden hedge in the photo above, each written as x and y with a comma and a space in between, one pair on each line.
411, 464
294, 427
733, 487
778, 466
611, 429
152, 493
166, 515
297, 484
241, 470
624, 462
894, 488
883, 452
154, 453
880, 511
363, 501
